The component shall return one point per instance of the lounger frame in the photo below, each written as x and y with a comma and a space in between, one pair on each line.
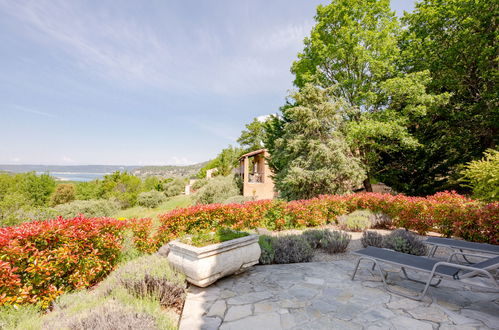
433, 273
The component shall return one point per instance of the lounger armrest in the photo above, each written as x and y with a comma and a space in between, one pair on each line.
464, 267
467, 255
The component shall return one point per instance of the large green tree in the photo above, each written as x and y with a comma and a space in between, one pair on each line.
309, 153
354, 47
252, 136
457, 42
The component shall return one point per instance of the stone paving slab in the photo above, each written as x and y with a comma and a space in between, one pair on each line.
320, 295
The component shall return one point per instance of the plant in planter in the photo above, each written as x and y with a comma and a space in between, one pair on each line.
206, 256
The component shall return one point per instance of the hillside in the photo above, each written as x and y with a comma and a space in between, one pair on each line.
169, 170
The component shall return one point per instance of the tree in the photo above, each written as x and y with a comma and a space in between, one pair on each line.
309, 154
252, 137
36, 188
456, 41
225, 162
122, 186
386, 131
483, 176
353, 46
64, 193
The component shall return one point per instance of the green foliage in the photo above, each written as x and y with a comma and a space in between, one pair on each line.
456, 41
329, 241
483, 176
267, 254
225, 162
15, 208
173, 187
285, 249
20, 317
371, 238
122, 187
354, 46
252, 136
129, 297
151, 199
216, 190
356, 221
88, 190
36, 188
90, 208
335, 241
199, 183
207, 237
237, 199
64, 193
152, 183
310, 156
404, 241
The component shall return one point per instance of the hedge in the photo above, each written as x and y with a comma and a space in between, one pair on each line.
446, 212
41, 260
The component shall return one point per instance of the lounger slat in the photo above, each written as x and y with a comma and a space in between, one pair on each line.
406, 260
460, 244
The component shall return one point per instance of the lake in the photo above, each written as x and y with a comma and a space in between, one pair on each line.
75, 176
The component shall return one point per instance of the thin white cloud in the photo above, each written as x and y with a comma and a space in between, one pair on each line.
287, 36
33, 111
170, 57
68, 160
263, 118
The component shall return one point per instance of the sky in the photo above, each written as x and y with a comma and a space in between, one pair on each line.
142, 82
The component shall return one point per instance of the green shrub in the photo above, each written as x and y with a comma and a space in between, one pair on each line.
404, 241
174, 187
112, 316
483, 176
88, 190
64, 193
199, 183
355, 221
161, 289
207, 237
267, 254
237, 200
90, 208
291, 249
216, 190
334, 241
314, 236
371, 238
151, 199
15, 209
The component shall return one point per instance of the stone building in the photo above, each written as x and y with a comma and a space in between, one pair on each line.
256, 175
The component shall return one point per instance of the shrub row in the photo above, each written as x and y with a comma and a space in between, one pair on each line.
446, 212
41, 260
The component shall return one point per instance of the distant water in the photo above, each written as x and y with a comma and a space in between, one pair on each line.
75, 176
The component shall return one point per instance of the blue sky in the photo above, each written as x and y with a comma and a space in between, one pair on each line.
142, 82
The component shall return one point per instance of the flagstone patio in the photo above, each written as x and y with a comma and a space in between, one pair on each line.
320, 295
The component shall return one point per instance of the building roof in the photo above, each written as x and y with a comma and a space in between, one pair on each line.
256, 152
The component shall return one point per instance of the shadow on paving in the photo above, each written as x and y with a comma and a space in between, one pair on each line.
320, 295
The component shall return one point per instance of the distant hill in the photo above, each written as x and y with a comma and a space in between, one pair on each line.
99, 171
21, 168
169, 171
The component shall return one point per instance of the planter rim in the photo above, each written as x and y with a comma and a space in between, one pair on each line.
227, 245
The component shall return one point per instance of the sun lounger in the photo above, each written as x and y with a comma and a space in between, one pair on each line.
434, 268
461, 245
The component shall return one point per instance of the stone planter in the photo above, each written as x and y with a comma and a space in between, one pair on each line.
204, 265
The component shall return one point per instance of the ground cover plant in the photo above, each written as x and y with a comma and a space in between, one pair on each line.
206, 237
300, 248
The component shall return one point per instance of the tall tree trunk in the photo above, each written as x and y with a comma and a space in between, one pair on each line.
367, 184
